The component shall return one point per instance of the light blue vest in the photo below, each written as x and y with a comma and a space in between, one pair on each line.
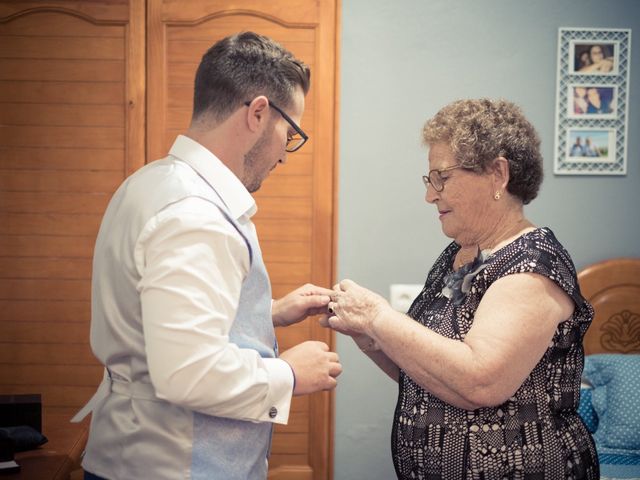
234, 449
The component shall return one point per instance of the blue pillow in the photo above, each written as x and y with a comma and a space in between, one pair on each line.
586, 410
615, 398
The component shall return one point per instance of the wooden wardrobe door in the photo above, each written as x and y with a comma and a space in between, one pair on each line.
71, 129
296, 203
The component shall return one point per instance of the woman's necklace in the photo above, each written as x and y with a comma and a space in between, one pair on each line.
461, 261
468, 254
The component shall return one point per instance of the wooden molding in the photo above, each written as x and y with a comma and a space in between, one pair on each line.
89, 12
621, 332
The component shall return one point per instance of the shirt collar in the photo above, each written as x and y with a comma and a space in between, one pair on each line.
233, 193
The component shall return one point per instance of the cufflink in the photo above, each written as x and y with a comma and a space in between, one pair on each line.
273, 411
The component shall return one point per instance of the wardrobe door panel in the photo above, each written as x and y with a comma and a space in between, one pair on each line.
71, 129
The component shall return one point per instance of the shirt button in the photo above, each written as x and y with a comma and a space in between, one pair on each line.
273, 411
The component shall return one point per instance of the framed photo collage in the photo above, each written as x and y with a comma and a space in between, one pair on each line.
592, 101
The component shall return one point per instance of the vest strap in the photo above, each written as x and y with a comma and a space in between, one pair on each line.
114, 383
101, 393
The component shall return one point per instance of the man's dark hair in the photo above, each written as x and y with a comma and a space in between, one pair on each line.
240, 67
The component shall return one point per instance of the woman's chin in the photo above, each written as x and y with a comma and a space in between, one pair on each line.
450, 233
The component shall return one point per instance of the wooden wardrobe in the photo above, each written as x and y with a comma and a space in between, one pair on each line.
89, 92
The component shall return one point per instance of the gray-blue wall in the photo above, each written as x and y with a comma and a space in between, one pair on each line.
403, 60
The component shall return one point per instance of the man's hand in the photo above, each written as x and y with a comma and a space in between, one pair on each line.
314, 367
299, 304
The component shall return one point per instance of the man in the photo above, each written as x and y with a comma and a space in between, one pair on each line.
182, 315
590, 150
577, 150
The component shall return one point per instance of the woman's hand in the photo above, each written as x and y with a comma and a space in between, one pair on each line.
354, 309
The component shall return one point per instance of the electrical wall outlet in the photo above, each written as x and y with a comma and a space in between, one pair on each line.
402, 295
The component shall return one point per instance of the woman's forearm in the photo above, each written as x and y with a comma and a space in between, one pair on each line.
381, 359
440, 365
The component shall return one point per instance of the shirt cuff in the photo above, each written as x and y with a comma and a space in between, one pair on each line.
278, 403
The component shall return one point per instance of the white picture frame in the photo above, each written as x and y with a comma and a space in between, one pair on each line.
605, 120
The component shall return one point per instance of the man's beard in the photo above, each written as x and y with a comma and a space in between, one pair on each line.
252, 159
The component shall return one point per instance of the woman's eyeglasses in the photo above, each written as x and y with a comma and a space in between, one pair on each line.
435, 177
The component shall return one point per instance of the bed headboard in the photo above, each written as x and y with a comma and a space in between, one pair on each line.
613, 288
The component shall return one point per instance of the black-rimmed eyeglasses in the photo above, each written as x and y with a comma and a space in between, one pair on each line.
295, 141
435, 177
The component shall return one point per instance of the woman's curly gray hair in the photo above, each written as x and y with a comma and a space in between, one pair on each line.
478, 131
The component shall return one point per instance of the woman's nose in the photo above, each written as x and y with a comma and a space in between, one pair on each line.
431, 195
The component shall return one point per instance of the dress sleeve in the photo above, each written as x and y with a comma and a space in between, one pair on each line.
541, 253
192, 264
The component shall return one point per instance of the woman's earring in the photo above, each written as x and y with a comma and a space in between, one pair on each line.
497, 195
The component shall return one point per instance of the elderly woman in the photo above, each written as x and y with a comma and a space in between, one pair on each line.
489, 357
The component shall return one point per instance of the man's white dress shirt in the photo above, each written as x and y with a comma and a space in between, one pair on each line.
169, 265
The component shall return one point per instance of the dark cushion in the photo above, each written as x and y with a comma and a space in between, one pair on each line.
23, 437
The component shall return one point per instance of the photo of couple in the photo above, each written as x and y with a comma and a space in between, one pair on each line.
594, 59
590, 144
591, 100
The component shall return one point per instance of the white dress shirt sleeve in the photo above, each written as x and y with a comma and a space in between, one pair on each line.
192, 264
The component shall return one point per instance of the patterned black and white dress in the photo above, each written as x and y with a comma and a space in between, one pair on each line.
537, 433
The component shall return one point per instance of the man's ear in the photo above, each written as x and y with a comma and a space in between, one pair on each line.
257, 113
500, 171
